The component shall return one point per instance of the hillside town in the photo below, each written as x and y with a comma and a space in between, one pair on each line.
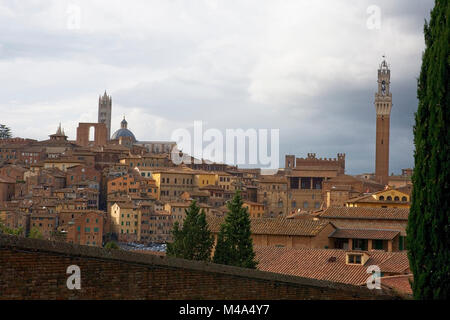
309, 219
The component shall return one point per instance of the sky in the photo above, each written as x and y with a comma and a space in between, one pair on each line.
307, 68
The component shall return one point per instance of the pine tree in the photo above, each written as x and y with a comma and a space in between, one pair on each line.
192, 241
112, 245
234, 243
428, 226
5, 132
35, 234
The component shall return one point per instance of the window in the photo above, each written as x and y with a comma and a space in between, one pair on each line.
396, 199
378, 244
360, 244
404, 199
389, 198
381, 198
354, 259
401, 243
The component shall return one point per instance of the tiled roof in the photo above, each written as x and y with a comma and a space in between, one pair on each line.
326, 264
373, 234
395, 264
307, 228
272, 179
366, 213
361, 224
401, 283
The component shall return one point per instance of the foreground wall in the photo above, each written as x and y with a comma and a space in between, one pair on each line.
36, 269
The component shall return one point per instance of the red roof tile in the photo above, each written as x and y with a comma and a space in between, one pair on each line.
327, 264
374, 234
366, 213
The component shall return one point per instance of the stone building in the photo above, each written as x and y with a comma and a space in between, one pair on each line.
86, 228
368, 228
273, 194
305, 178
288, 233
172, 183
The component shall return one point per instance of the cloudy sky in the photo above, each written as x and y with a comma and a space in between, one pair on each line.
308, 68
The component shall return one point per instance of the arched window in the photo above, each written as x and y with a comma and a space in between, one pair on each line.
404, 199
381, 198
389, 198
396, 199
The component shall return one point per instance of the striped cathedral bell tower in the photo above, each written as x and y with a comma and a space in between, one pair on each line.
104, 112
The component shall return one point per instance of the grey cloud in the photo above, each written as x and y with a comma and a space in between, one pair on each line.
195, 62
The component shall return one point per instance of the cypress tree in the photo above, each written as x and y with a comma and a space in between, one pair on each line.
234, 243
192, 241
5, 132
428, 226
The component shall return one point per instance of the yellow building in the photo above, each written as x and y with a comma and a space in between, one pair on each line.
126, 222
390, 198
61, 164
172, 183
255, 210
204, 178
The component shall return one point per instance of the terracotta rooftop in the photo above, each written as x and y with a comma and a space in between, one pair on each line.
401, 283
366, 213
399, 226
272, 179
306, 228
327, 264
373, 234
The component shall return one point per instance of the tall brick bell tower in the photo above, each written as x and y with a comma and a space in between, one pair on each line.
383, 106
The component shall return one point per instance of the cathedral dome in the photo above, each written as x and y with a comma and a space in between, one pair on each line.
123, 132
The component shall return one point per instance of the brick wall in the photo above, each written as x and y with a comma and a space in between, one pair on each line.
36, 269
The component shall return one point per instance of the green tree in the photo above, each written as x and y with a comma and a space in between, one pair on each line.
5, 132
6, 230
428, 226
112, 245
234, 243
35, 234
193, 241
